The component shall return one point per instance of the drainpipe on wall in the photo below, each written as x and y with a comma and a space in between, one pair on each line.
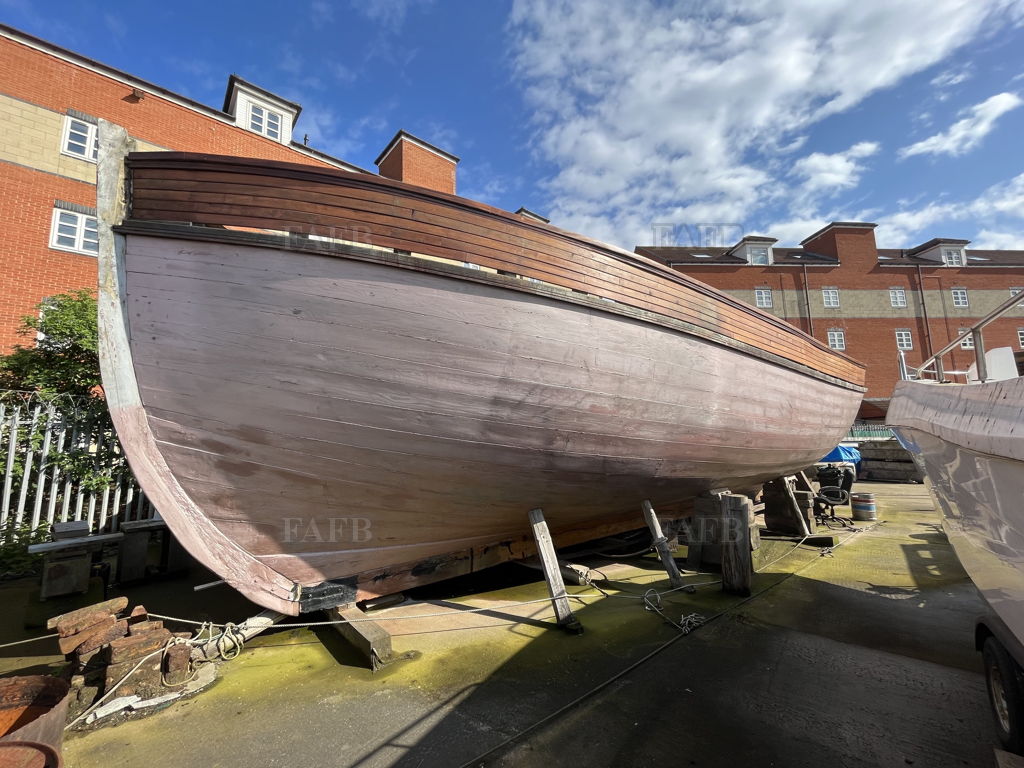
924, 313
807, 302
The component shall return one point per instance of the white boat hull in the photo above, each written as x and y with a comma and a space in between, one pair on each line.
969, 442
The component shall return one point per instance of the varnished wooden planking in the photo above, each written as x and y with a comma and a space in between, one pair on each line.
655, 287
278, 468
731, 317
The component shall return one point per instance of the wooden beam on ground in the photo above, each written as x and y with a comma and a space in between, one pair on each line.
660, 543
368, 637
552, 574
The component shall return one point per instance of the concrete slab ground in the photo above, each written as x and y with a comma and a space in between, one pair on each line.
861, 658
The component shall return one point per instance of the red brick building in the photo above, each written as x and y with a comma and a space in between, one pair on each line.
50, 103
870, 302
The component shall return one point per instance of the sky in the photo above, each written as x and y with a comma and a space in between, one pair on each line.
637, 122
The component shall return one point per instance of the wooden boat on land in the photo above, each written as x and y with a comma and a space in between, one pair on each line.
336, 386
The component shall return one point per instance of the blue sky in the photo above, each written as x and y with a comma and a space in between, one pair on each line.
611, 117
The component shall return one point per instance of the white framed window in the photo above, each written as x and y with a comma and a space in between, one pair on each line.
81, 139
265, 121
837, 338
968, 341
1020, 337
904, 340
758, 255
959, 297
952, 257
763, 297
72, 231
898, 297
830, 297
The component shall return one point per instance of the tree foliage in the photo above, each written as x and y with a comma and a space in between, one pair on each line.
63, 357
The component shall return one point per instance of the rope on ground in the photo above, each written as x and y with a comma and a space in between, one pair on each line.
30, 640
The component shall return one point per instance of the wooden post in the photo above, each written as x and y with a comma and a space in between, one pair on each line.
367, 637
549, 561
737, 567
660, 543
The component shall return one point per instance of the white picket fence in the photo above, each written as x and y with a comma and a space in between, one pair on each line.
34, 435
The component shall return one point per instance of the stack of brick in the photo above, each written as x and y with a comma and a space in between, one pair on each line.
105, 642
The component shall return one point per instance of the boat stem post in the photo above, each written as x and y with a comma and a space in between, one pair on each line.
660, 543
552, 574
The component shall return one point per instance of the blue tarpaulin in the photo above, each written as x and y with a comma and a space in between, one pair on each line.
843, 453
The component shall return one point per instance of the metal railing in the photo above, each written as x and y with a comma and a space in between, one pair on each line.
861, 431
975, 334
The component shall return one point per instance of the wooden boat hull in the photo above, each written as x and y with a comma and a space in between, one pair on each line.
321, 424
966, 440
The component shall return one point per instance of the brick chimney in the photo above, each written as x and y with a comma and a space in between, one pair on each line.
414, 161
847, 241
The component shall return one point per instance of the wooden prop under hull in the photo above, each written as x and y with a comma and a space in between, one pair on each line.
324, 423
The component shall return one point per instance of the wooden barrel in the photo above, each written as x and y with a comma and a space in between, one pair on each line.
863, 505
33, 710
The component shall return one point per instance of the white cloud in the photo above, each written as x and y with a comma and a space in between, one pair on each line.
651, 111
965, 134
950, 78
322, 12
290, 61
792, 231
388, 13
988, 239
342, 73
1001, 205
822, 175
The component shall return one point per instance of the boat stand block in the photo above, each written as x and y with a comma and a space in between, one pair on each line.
661, 545
721, 526
552, 574
737, 565
367, 637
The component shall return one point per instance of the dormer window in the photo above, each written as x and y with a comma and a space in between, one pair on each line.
953, 257
260, 111
759, 254
942, 250
265, 121
755, 250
